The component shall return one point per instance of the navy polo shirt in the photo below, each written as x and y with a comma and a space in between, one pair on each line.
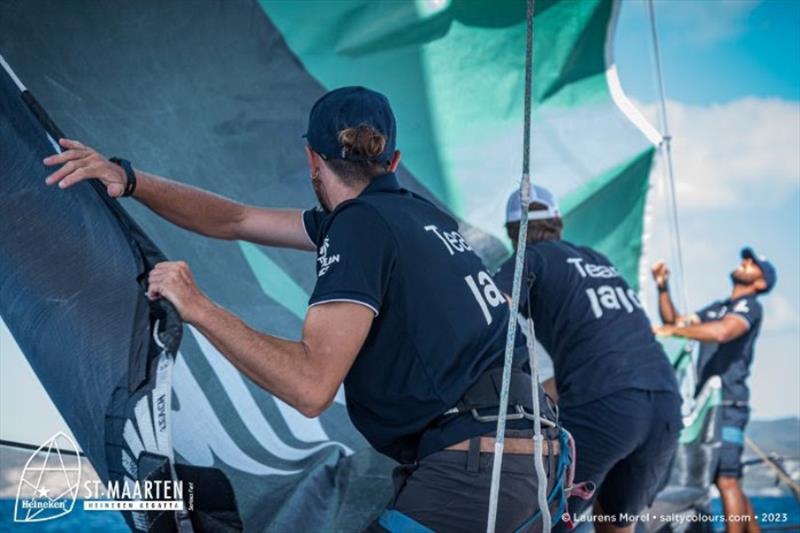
440, 321
731, 361
590, 322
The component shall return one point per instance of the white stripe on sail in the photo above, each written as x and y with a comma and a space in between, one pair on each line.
199, 436
305, 429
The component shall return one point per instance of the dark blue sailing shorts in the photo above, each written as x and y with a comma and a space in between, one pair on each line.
624, 444
734, 419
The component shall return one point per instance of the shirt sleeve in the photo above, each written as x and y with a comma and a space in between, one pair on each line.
312, 222
747, 308
355, 259
702, 313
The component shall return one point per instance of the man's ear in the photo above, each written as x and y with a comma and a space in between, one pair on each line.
395, 161
313, 163
760, 284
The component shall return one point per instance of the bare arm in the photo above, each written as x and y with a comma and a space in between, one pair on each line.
669, 314
306, 374
186, 206
728, 328
219, 217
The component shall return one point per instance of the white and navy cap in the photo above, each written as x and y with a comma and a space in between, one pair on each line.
539, 195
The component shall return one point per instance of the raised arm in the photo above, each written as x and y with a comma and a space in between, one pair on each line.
669, 315
191, 208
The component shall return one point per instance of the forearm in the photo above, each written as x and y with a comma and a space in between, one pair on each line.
706, 332
186, 206
189, 207
284, 368
219, 217
666, 308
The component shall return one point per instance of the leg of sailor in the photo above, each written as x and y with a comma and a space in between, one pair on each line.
624, 444
735, 504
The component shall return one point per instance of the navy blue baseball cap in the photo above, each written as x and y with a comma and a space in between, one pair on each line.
350, 107
770, 276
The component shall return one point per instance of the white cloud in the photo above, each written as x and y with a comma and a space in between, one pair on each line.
742, 153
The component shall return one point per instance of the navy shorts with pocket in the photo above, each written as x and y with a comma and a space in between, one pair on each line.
624, 443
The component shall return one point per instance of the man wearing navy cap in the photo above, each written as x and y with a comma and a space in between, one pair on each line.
403, 313
733, 324
617, 393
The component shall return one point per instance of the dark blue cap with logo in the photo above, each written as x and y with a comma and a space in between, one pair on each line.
770, 276
350, 107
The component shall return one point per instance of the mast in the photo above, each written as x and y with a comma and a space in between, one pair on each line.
665, 147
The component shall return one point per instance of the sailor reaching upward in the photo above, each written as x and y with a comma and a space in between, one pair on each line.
732, 326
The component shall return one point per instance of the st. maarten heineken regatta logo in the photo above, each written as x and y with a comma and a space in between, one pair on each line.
50, 486
50, 480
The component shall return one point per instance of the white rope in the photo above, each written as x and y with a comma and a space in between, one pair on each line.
538, 460
665, 147
525, 193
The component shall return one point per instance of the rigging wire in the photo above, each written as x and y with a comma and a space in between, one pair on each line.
35, 448
666, 151
779, 472
525, 191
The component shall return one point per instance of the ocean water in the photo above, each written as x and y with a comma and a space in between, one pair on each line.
78, 521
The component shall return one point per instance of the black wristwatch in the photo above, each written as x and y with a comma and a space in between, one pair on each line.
130, 175
663, 288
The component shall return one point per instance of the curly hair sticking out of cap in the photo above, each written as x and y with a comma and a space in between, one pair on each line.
364, 143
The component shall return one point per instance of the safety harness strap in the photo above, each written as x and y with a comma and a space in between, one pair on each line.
482, 400
486, 392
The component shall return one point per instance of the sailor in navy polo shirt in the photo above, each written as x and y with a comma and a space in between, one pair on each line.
403, 312
439, 324
732, 325
617, 393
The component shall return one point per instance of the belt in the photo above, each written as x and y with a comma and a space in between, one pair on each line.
512, 445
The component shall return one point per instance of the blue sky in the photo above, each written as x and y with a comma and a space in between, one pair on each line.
713, 51
732, 77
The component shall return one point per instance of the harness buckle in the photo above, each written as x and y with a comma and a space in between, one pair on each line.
520, 414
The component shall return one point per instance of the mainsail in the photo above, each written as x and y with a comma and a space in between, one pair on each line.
216, 94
